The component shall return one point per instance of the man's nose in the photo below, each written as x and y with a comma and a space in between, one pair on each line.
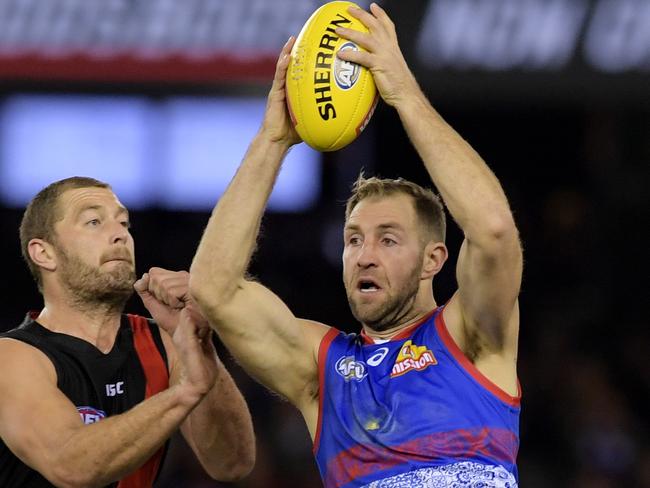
119, 233
367, 256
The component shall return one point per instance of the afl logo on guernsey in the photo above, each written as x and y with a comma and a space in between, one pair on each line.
351, 369
412, 358
90, 415
346, 73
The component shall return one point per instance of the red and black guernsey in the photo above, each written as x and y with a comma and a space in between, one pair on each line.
99, 385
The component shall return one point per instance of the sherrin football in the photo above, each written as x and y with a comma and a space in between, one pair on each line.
330, 101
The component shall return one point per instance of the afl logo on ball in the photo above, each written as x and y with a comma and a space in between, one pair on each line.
346, 73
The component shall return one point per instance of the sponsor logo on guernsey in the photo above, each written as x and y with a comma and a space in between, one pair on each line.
378, 356
346, 73
113, 389
90, 415
351, 369
412, 358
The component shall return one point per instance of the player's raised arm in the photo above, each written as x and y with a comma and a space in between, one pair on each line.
254, 324
490, 262
219, 428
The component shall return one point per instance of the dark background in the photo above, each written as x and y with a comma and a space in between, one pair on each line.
574, 163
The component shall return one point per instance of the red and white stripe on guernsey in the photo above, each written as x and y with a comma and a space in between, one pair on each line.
322, 359
480, 378
157, 380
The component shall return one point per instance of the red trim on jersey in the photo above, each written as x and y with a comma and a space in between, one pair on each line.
402, 334
323, 348
464, 361
157, 380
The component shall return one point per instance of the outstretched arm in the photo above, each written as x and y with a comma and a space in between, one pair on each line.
256, 326
490, 262
71, 454
219, 429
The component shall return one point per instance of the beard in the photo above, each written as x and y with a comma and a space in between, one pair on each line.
90, 287
387, 314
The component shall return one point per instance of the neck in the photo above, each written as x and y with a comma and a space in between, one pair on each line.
420, 309
94, 323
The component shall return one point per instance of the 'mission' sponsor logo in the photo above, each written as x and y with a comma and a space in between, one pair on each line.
412, 358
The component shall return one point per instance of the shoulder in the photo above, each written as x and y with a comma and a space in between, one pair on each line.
19, 358
24, 341
26, 329
316, 333
323, 337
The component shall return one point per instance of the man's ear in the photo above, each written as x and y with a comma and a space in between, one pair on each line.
42, 254
435, 255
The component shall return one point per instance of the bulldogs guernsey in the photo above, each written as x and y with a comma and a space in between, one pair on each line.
412, 412
100, 385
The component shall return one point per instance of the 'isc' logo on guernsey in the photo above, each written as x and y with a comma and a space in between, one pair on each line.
412, 358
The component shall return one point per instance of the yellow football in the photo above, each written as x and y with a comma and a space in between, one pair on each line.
330, 100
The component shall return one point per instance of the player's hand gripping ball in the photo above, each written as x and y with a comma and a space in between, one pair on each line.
330, 101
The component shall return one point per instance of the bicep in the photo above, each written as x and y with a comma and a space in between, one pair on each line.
35, 416
488, 286
270, 343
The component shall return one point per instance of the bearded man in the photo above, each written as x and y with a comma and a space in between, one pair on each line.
427, 394
90, 396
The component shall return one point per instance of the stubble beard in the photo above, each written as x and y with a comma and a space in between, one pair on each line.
391, 312
91, 289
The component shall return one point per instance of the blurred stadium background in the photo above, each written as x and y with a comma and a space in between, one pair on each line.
160, 98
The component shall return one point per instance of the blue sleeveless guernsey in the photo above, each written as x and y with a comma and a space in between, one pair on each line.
413, 412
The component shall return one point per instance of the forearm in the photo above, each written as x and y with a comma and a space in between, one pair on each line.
230, 236
468, 187
106, 451
220, 430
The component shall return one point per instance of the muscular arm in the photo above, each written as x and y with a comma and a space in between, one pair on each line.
219, 429
490, 262
255, 325
43, 428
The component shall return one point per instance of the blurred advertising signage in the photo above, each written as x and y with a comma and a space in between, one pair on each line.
203, 41
609, 36
177, 153
195, 41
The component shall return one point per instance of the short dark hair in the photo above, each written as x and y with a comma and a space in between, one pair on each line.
428, 205
43, 212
